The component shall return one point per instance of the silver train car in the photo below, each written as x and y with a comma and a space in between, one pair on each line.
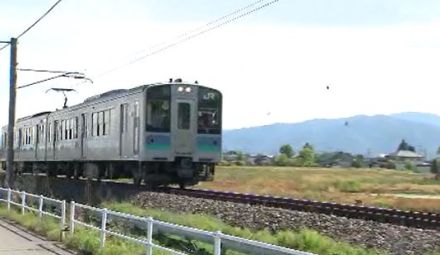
164, 133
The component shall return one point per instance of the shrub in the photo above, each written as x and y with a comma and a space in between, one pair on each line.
348, 186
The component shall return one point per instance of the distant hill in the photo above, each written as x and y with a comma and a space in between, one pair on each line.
358, 134
427, 118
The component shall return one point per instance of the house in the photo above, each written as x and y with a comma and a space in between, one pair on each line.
402, 155
401, 158
260, 159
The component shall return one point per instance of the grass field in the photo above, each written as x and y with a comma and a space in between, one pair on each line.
379, 187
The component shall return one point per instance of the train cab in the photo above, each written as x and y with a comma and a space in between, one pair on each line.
182, 130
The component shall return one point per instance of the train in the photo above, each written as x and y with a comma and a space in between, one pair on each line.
157, 134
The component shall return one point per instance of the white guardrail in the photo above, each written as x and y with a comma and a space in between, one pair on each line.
38, 203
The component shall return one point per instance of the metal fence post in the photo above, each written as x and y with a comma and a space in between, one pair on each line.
217, 243
72, 217
63, 218
23, 201
9, 198
149, 236
103, 226
40, 207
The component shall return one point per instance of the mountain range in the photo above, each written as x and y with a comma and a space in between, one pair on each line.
361, 134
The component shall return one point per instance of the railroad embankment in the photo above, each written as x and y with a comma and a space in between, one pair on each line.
369, 234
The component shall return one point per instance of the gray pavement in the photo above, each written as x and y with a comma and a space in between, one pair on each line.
16, 240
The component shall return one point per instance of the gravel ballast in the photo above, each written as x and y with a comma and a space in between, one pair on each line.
392, 238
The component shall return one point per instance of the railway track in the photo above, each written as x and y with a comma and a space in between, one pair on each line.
65, 188
423, 220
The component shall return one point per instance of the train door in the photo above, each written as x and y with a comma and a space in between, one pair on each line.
37, 140
83, 135
124, 141
55, 137
136, 130
184, 127
40, 142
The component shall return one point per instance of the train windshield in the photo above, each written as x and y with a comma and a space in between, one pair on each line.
209, 112
158, 109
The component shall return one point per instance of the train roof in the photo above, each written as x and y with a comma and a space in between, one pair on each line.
34, 115
110, 94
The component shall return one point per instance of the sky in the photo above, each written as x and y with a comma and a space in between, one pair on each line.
274, 65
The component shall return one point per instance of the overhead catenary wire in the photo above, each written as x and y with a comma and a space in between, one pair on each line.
196, 32
40, 70
184, 34
35, 23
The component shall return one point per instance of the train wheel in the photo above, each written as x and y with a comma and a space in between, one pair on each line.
136, 172
69, 173
137, 180
76, 168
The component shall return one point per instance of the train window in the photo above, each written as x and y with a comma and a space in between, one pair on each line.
37, 134
56, 130
209, 111
100, 123
5, 139
158, 109
62, 130
136, 128
184, 116
94, 124
65, 129
69, 129
41, 133
19, 137
124, 115
106, 123
75, 128
49, 132
34, 131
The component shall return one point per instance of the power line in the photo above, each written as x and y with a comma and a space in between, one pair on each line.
191, 35
6, 45
35, 23
40, 70
204, 26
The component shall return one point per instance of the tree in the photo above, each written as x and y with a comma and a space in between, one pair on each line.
435, 168
240, 156
409, 165
358, 161
438, 150
282, 160
307, 155
287, 150
404, 146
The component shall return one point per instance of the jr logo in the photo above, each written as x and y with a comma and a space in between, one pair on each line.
209, 96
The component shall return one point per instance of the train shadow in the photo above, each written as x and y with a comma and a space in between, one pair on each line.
83, 191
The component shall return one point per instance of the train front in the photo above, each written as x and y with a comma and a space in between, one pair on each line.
183, 131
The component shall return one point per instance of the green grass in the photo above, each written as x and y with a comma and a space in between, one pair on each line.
46, 226
87, 241
306, 240
84, 241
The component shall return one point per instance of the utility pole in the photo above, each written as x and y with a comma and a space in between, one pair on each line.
10, 171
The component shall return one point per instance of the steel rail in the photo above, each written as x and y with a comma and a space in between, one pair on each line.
425, 220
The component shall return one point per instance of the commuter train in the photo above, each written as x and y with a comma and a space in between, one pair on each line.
163, 133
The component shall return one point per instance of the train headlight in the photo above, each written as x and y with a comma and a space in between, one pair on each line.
180, 89
188, 89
